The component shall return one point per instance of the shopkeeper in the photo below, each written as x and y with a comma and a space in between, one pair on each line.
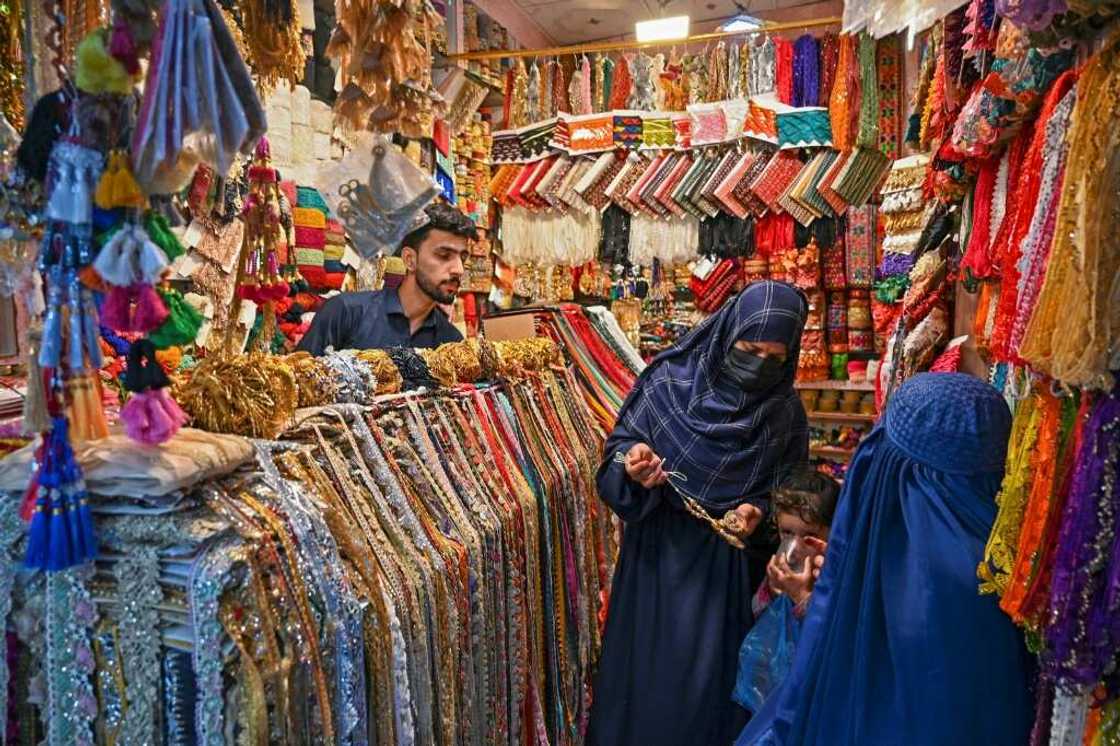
409, 316
710, 428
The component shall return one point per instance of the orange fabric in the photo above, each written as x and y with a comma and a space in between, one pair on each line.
1044, 462
1034, 604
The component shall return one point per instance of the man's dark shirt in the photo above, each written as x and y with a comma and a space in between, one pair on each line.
373, 320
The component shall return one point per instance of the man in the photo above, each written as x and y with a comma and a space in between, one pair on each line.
407, 317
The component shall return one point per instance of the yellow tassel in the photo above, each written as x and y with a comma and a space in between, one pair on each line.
87, 418
104, 196
126, 192
98, 71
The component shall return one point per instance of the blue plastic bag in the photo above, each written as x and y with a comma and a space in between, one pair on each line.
766, 654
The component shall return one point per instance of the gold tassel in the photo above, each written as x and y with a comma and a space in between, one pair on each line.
87, 418
36, 419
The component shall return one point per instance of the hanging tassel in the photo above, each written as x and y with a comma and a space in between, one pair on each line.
103, 196
126, 192
123, 47
76, 346
150, 310
61, 533
35, 417
116, 309
87, 415
182, 324
159, 231
97, 71
50, 353
31, 494
90, 328
152, 262
59, 205
116, 262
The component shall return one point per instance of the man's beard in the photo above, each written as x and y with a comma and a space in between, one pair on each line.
432, 290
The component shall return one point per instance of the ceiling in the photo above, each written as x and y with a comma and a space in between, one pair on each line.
576, 21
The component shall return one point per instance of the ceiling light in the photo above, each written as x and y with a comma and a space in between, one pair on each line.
662, 29
741, 22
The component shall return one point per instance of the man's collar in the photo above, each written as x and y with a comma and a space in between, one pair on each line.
393, 307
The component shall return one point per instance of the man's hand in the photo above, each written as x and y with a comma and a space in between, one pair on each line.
743, 520
644, 466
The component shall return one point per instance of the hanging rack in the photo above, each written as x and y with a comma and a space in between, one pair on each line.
610, 46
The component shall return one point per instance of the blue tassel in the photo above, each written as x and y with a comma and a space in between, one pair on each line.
74, 304
59, 553
50, 353
61, 533
37, 547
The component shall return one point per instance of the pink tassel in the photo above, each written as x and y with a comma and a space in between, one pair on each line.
150, 312
123, 47
160, 426
135, 416
115, 309
152, 417
263, 149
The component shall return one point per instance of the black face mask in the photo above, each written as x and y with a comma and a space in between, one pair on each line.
751, 372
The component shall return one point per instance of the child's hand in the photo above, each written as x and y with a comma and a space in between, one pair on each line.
796, 585
819, 547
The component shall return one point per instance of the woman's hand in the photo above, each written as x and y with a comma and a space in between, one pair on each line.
644, 466
743, 520
796, 585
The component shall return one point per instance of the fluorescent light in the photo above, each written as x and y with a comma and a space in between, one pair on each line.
662, 29
741, 23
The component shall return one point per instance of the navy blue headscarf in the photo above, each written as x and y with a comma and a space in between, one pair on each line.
898, 647
730, 445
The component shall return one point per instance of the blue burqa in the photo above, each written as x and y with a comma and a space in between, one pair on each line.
898, 647
680, 600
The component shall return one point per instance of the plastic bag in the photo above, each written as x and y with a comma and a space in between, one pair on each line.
766, 654
379, 195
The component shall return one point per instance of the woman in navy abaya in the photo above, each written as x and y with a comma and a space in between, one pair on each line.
710, 428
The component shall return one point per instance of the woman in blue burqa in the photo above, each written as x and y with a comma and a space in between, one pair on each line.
710, 427
898, 647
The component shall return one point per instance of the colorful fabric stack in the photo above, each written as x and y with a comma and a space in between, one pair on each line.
310, 219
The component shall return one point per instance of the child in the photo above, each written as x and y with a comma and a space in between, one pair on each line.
802, 508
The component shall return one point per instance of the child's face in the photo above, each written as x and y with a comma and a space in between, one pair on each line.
792, 531
791, 526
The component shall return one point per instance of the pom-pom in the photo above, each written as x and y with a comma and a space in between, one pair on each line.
98, 72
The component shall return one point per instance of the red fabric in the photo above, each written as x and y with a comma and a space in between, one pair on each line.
773, 234
783, 69
1008, 246
977, 259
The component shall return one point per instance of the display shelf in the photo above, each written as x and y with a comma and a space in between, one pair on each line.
831, 452
863, 419
835, 385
